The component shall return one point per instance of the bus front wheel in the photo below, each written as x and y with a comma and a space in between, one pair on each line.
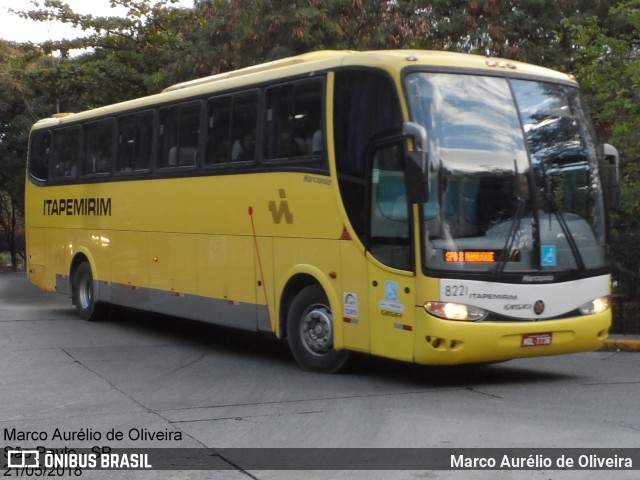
83, 294
310, 332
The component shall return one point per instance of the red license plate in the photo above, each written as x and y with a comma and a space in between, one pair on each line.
536, 339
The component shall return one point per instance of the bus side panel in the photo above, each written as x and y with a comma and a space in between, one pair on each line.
392, 311
36, 259
129, 259
292, 256
97, 246
356, 318
172, 262
59, 244
225, 270
264, 285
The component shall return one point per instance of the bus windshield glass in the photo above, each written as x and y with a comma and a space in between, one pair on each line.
514, 184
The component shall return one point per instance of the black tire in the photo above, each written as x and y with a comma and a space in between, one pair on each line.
83, 294
310, 332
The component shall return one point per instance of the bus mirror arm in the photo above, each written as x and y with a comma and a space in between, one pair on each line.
612, 157
417, 179
417, 176
419, 134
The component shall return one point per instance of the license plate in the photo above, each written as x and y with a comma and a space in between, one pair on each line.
536, 339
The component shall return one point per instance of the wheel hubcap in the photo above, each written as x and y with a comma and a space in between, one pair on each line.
85, 294
316, 330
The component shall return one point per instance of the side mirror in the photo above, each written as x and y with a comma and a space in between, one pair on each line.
417, 163
612, 175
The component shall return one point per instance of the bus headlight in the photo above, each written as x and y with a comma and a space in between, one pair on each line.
455, 311
598, 305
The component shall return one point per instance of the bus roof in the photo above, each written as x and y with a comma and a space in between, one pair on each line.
391, 60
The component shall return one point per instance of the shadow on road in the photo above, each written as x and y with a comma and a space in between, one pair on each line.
15, 290
265, 347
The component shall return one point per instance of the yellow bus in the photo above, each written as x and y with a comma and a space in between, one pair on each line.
429, 207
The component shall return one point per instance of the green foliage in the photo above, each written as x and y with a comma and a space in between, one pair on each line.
238, 33
125, 57
531, 31
606, 60
15, 120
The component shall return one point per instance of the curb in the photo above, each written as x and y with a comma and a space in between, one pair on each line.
619, 345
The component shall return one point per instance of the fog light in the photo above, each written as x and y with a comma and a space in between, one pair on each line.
598, 305
455, 311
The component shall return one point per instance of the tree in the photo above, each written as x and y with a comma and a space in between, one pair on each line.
607, 64
238, 33
15, 121
532, 31
124, 57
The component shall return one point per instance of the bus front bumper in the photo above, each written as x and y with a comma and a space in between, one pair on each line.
445, 342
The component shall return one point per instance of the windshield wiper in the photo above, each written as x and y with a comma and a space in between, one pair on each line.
506, 252
553, 208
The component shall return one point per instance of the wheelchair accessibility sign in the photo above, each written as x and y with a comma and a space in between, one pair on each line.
390, 302
548, 256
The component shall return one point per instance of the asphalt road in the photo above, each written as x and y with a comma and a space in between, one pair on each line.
166, 382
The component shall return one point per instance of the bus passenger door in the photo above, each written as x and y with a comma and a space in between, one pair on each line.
390, 254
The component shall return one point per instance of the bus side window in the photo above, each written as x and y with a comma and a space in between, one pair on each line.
365, 105
98, 147
218, 125
66, 152
231, 128
135, 134
279, 142
389, 233
168, 135
294, 120
39, 155
243, 127
179, 134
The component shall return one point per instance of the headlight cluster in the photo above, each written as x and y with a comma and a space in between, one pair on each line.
455, 311
469, 313
598, 305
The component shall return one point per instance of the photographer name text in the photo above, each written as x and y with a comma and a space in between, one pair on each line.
91, 435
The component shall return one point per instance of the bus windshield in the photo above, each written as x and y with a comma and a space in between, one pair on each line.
514, 184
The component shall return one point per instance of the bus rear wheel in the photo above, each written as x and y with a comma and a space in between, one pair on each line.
310, 332
83, 294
